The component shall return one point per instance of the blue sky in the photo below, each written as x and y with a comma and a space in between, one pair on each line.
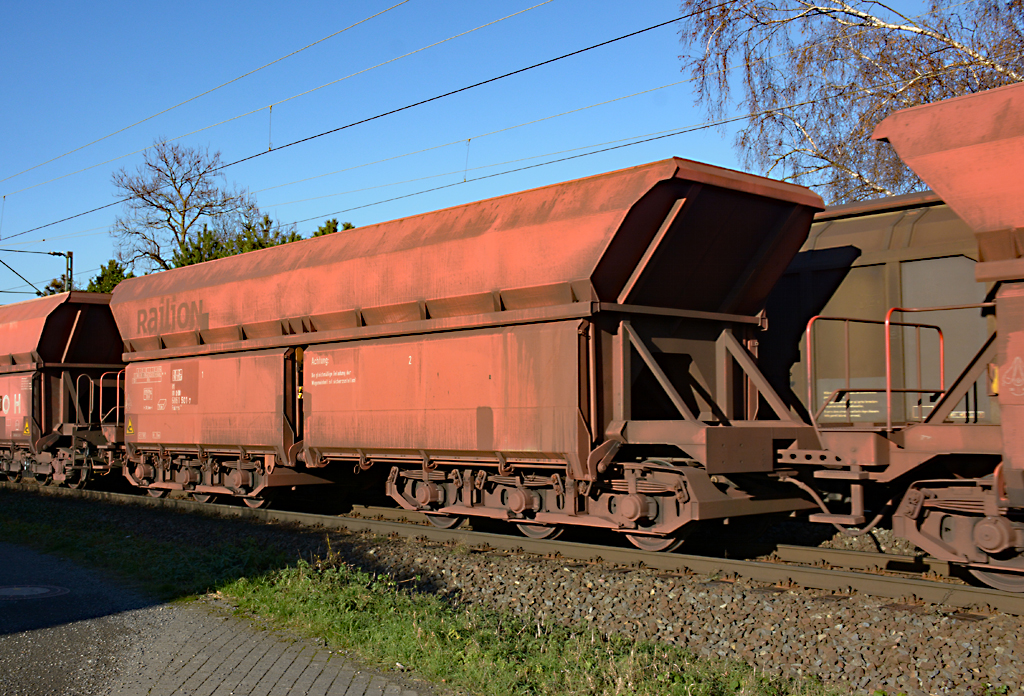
72, 73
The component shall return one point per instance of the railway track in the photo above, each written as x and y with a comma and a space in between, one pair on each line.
898, 577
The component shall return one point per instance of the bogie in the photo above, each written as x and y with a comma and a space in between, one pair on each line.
652, 502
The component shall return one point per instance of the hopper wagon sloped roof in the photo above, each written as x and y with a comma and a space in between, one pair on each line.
73, 327
674, 234
970, 151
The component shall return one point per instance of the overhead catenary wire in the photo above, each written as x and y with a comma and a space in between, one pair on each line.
198, 96
282, 101
550, 117
653, 137
31, 251
20, 276
656, 136
421, 151
214, 125
613, 146
453, 92
270, 149
15, 291
103, 229
477, 137
380, 115
434, 98
465, 170
90, 231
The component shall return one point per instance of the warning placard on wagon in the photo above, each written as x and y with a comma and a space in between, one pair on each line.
326, 369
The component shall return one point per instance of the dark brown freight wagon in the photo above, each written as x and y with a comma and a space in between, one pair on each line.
60, 363
860, 260
578, 354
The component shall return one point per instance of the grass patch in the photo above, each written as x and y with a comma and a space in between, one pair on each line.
479, 650
466, 647
104, 537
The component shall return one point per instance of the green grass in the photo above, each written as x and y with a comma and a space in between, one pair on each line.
382, 621
480, 650
103, 537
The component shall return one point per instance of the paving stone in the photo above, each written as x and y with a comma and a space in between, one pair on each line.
146, 648
358, 685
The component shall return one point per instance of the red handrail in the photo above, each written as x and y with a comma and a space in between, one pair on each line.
887, 323
117, 404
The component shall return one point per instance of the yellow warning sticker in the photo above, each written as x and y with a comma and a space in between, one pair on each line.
26, 431
131, 429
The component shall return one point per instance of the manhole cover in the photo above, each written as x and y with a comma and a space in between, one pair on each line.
31, 591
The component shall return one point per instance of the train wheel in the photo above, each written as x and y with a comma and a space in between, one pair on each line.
78, 478
997, 579
445, 521
157, 492
256, 503
43, 479
540, 531
204, 497
14, 476
655, 543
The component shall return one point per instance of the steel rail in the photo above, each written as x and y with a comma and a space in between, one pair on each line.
807, 555
894, 587
862, 560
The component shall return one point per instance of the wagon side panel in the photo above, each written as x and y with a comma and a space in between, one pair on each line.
217, 401
512, 390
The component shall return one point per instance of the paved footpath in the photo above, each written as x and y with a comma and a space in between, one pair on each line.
201, 649
65, 630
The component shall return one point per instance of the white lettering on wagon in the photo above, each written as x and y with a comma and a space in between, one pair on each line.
319, 379
148, 374
9, 403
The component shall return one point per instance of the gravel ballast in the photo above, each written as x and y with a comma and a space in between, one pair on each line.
864, 642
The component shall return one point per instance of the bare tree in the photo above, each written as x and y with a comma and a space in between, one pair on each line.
817, 76
169, 199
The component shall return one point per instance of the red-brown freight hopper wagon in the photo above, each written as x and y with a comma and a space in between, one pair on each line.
970, 150
578, 354
60, 364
